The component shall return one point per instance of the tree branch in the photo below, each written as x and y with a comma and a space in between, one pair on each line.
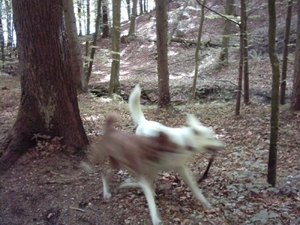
219, 14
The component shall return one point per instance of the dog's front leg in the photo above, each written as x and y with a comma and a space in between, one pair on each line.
192, 185
148, 191
106, 191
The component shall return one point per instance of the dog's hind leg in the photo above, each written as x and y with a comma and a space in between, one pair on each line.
148, 191
106, 191
129, 183
192, 185
132, 183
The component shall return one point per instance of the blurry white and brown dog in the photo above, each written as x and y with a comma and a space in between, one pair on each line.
190, 140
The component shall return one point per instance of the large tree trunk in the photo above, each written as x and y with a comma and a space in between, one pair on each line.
49, 100
74, 46
271, 177
295, 103
164, 98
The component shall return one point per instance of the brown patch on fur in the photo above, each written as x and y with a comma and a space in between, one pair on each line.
134, 152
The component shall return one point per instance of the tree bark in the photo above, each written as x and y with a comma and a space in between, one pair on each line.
74, 46
128, 8
133, 19
49, 99
88, 17
2, 55
223, 58
295, 103
9, 23
164, 98
79, 5
245, 56
114, 83
141, 7
105, 28
240, 76
271, 177
285, 52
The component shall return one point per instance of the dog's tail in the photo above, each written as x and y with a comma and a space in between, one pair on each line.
135, 105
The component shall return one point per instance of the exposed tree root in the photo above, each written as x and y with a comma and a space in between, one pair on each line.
16, 147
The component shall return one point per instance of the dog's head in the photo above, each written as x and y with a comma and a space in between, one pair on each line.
203, 138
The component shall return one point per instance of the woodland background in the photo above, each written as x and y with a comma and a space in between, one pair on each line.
47, 185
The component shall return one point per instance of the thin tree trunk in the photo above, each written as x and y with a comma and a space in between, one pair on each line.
193, 91
9, 23
133, 19
240, 76
178, 19
145, 5
95, 36
105, 28
223, 58
2, 56
88, 17
295, 103
246, 58
271, 177
285, 51
114, 83
79, 5
128, 8
164, 98
141, 7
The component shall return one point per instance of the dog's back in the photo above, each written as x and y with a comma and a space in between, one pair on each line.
131, 151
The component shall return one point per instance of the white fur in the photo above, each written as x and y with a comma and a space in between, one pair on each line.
146, 186
106, 192
192, 139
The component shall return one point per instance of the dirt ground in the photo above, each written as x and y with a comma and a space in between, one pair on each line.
49, 186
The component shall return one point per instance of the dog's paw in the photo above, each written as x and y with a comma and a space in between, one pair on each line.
106, 195
157, 221
208, 206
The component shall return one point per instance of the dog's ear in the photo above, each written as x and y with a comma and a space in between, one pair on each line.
192, 120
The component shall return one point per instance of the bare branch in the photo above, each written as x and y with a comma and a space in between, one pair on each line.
219, 14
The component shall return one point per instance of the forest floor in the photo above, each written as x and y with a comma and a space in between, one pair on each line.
49, 186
